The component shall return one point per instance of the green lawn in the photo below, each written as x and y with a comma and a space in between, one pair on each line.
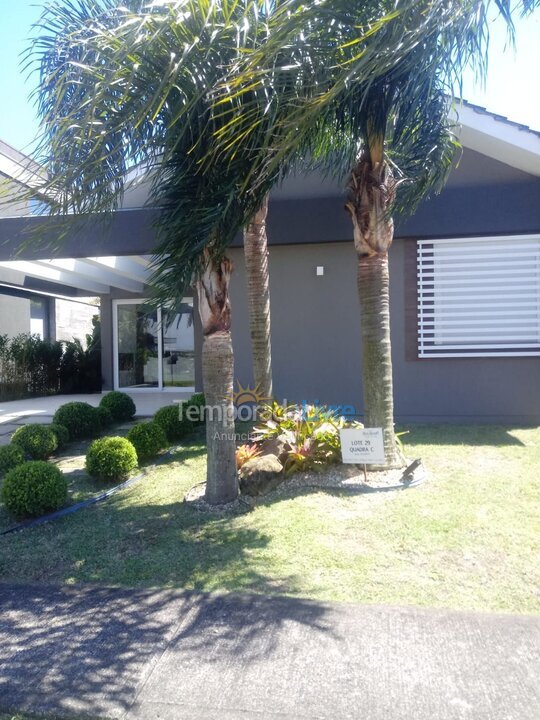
468, 538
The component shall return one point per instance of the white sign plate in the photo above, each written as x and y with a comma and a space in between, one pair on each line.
362, 445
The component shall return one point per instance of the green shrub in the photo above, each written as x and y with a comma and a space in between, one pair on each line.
195, 401
62, 434
111, 458
148, 438
10, 457
105, 417
37, 441
80, 368
28, 366
173, 421
119, 404
80, 418
34, 488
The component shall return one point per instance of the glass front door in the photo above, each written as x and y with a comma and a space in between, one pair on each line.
153, 349
178, 347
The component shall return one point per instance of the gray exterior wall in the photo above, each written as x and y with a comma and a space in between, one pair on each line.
316, 345
483, 196
316, 320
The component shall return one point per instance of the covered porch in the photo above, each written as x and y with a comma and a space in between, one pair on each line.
143, 349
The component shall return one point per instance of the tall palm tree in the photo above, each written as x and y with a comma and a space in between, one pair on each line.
258, 290
124, 85
364, 88
165, 84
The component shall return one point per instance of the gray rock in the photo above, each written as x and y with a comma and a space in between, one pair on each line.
260, 475
277, 446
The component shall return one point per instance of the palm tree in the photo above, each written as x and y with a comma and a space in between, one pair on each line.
258, 290
121, 86
165, 84
364, 88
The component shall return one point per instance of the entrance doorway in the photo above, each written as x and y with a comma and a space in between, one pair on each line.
153, 349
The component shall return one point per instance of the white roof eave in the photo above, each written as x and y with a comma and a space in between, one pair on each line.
502, 141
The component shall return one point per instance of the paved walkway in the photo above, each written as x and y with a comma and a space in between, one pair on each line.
142, 654
41, 410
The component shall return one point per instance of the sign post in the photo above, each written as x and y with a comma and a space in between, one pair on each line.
362, 446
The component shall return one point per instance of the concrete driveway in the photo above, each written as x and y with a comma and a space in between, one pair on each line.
15, 413
122, 653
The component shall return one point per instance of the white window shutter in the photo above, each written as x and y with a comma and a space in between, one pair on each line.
479, 297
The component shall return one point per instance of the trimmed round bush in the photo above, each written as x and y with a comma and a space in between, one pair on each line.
80, 418
10, 457
148, 438
37, 441
196, 401
62, 434
111, 458
119, 404
34, 488
173, 421
105, 417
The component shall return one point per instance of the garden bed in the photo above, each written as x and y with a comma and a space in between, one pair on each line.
40, 483
80, 485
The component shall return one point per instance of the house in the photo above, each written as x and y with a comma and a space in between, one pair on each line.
31, 304
465, 290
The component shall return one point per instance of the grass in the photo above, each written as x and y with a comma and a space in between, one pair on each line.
468, 538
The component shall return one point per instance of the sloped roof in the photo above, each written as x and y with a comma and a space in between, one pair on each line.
498, 137
16, 166
500, 118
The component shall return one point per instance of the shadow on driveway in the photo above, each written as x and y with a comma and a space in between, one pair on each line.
89, 650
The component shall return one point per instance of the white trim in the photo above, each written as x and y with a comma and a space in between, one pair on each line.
122, 267
82, 268
480, 238
19, 168
94, 275
160, 350
432, 356
497, 138
116, 367
42, 270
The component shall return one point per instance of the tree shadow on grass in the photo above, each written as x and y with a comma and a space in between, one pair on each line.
140, 540
84, 649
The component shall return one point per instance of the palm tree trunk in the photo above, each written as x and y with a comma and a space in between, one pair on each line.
373, 291
256, 257
371, 193
217, 376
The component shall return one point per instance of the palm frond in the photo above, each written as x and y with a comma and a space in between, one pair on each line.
328, 59
221, 98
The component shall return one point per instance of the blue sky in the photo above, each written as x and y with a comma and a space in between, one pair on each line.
512, 88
